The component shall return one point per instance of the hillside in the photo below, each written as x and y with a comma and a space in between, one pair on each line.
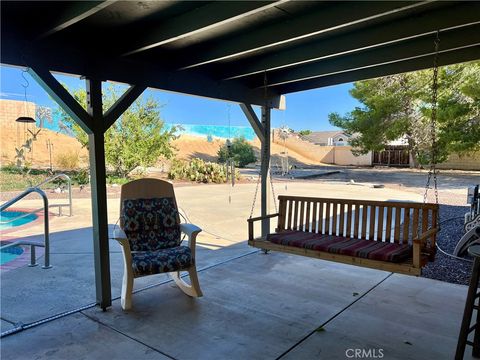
189, 146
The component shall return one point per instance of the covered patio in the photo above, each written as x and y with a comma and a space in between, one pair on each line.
251, 53
254, 305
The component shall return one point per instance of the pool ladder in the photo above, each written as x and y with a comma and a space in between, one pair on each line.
46, 206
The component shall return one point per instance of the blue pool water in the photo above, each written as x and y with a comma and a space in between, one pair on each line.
9, 254
6, 218
216, 131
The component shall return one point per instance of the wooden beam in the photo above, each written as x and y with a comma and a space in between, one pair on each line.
186, 82
79, 10
264, 169
331, 18
122, 104
426, 62
202, 19
426, 22
253, 120
417, 47
96, 147
58, 93
149, 75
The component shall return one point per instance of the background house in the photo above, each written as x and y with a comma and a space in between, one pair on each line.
328, 138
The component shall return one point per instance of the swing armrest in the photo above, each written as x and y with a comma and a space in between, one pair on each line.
426, 234
419, 246
252, 220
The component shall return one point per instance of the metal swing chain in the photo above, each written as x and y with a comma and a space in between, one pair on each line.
255, 195
273, 191
256, 192
433, 125
432, 172
269, 172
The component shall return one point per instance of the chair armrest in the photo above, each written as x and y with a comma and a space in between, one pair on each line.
118, 233
120, 236
191, 231
252, 220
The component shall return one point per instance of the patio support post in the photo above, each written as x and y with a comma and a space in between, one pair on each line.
94, 122
265, 165
96, 147
262, 130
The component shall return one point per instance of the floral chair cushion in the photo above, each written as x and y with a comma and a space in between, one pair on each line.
161, 261
151, 224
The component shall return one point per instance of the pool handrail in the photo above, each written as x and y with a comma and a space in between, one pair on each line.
33, 244
69, 183
50, 179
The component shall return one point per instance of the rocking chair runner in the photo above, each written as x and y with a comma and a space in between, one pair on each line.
150, 237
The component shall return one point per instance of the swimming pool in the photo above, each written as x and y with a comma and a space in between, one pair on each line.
8, 219
9, 254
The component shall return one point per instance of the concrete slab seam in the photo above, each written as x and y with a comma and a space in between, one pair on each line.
126, 335
23, 327
333, 317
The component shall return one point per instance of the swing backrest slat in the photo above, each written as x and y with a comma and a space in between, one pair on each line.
386, 221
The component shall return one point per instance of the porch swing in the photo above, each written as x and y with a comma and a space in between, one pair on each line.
393, 236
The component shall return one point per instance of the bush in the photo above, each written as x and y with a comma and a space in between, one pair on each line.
199, 171
12, 169
112, 179
68, 160
304, 132
240, 151
80, 177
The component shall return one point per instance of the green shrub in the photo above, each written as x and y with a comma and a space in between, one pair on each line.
12, 169
80, 177
112, 179
14, 178
241, 151
199, 171
304, 132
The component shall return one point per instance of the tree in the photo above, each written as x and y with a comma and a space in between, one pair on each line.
240, 151
138, 138
399, 107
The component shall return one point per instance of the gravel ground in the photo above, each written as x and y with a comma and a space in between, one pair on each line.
444, 267
452, 209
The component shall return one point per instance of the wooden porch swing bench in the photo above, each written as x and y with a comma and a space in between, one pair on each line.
386, 235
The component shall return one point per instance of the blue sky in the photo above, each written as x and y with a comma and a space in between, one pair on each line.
305, 110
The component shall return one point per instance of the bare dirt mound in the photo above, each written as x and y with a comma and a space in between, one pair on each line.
189, 146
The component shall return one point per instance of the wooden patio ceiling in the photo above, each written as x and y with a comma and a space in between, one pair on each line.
227, 49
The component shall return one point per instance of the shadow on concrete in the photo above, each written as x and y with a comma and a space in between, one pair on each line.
30, 294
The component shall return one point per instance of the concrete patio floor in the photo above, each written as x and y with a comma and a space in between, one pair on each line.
255, 306
262, 307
